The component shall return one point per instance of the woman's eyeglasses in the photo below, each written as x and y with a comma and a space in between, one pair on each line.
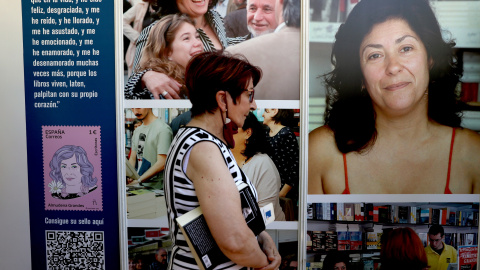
251, 94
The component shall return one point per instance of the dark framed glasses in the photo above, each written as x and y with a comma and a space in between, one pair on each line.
251, 94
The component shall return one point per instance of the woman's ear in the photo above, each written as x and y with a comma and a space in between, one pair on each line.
275, 111
248, 132
221, 97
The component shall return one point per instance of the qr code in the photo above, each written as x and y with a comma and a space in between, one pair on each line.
75, 250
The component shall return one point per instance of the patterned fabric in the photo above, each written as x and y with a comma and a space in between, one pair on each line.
285, 155
133, 89
180, 192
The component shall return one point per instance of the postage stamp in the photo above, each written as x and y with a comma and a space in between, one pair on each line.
72, 169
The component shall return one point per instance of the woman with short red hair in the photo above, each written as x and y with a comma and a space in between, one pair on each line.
402, 249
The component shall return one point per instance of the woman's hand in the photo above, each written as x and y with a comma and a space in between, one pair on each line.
132, 182
269, 248
159, 83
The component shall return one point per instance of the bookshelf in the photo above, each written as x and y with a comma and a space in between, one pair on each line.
356, 228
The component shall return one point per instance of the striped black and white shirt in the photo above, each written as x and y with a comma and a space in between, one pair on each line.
180, 192
133, 89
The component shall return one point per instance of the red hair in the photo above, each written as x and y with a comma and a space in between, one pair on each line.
403, 249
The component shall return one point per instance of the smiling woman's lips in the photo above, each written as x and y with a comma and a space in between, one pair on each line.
397, 86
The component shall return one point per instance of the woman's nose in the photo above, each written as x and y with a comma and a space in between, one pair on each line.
253, 105
394, 65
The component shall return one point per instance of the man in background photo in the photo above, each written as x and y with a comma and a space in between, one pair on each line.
150, 144
277, 54
439, 254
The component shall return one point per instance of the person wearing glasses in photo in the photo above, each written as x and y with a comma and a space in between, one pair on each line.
202, 171
439, 254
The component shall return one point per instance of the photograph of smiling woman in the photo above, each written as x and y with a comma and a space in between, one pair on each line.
70, 167
170, 45
392, 112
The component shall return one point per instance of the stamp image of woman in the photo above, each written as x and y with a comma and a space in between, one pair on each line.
72, 173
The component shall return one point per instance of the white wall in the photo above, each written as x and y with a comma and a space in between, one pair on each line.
14, 219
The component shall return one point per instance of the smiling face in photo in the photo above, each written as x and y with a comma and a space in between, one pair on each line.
185, 45
261, 17
193, 8
395, 67
71, 172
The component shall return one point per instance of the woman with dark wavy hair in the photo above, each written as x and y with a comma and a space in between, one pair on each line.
250, 152
392, 113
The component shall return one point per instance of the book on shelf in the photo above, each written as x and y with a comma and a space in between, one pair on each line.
314, 265
435, 216
310, 211
412, 219
326, 211
205, 250
394, 213
467, 257
368, 211
331, 241
468, 239
384, 214
319, 241
349, 211
333, 211
451, 239
359, 212
403, 214
343, 237
424, 238
373, 238
375, 213
345, 211
425, 216
355, 236
368, 264
318, 211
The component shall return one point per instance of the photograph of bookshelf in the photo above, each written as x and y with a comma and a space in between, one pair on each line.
355, 230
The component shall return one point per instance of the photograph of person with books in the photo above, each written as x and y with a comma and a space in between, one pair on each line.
392, 112
201, 171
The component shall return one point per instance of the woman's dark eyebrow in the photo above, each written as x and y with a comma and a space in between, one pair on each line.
378, 46
403, 38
